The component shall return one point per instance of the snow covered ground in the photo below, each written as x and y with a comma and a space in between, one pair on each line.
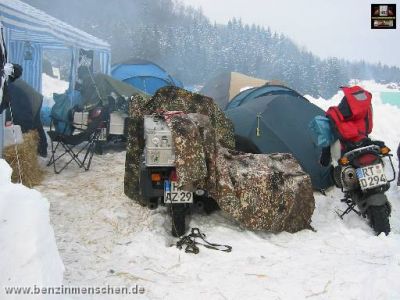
104, 238
28, 250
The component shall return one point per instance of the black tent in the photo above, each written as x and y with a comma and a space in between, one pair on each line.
279, 123
103, 88
26, 104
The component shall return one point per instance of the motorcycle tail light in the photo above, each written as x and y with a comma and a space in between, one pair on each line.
385, 150
344, 161
173, 176
366, 159
155, 177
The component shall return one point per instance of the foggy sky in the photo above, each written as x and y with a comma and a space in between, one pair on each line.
340, 28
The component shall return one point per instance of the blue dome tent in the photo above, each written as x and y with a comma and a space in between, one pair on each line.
143, 75
253, 93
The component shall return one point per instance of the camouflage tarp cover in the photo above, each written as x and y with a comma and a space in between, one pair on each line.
261, 192
168, 99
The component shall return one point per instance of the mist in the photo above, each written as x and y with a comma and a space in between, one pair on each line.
194, 49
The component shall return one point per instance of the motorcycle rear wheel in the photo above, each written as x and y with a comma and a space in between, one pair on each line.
379, 218
178, 216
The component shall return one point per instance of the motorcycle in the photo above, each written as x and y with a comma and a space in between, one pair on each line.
361, 175
158, 178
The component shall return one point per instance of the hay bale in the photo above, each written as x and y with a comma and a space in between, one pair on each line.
31, 173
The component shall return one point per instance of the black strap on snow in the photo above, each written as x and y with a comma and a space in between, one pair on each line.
191, 244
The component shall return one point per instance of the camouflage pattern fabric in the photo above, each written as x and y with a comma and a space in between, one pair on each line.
264, 192
260, 191
167, 99
190, 162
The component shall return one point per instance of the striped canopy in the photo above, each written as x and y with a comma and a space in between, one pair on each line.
29, 30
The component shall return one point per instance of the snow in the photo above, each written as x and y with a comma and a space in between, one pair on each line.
28, 250
52, 85
106, 238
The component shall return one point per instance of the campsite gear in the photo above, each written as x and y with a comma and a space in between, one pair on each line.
191, 245
26, 105
262, 192
321, 131
96, 90
159, 150
80, 146
103, 90
117, 123
353, 116
143, 75
113, 95
62, 111
361, 176
225, 86
279, 123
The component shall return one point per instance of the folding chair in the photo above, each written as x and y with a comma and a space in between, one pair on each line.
79, 146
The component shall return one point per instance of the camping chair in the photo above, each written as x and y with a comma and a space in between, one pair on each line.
75, 140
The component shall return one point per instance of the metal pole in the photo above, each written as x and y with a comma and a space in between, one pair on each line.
1, 134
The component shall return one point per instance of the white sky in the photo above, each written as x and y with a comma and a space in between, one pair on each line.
340, 28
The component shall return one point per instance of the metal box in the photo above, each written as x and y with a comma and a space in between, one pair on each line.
117, 123
81, 120
159, 148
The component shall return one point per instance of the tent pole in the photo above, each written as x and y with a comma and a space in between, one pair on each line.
1, 134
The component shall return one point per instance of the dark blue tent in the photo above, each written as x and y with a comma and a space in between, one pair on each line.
276, 120
143, 75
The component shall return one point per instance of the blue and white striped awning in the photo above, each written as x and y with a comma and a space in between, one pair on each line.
35, 25
26, 26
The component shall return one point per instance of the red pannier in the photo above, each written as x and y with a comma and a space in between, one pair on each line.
353, 116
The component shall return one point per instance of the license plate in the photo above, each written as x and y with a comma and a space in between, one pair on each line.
371, 176
172, 195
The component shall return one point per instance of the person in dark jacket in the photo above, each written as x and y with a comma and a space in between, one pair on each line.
26, 104
16, 73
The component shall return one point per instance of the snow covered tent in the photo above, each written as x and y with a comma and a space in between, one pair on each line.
223, 87
28, 31
143, 75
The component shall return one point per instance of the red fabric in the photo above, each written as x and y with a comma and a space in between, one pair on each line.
359, 108
358, 125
